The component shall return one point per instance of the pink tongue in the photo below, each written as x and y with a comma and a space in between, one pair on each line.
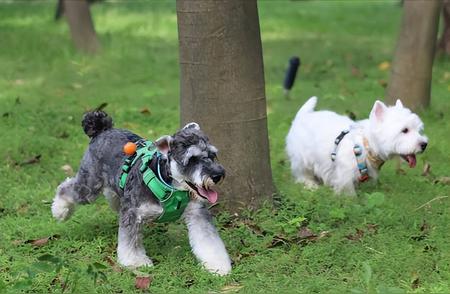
411, 160
211, 195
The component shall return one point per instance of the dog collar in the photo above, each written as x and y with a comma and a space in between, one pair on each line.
373, 158
172, 200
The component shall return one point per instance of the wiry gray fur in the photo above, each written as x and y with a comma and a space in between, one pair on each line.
187, 157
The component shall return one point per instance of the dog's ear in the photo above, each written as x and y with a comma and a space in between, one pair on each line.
192, 125
163, 144
378, 110
399, 103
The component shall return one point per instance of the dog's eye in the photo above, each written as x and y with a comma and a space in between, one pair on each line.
405, 130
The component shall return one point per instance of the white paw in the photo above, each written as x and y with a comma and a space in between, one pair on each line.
217, 267
310, 185
61, 208
134, 261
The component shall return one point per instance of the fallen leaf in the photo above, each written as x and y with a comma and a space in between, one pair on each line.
426, 169
143, 282
443, 180
357, 236
235, 287
356, 72
372, 228
385, 65
306, 233
145, 110
68, 170
41, 241
278, 241
33, 160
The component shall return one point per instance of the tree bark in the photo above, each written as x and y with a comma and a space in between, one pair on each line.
444, 42
81, 25
413, 60
222, 88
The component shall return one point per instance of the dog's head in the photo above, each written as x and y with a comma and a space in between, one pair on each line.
193, 161
397, 131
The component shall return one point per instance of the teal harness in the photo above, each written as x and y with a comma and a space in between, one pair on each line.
173, 201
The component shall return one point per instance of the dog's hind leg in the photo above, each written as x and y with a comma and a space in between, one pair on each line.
82, 189
205, 242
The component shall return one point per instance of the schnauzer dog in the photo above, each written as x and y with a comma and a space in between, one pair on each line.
185, 161
324, 147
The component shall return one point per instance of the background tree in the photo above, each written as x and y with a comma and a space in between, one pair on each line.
413, 60
222, 88
80, 24
444, 41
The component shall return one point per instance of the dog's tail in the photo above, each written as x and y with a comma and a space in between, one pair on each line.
307, 107
95, 122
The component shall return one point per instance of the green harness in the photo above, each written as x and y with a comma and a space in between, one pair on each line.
173, 201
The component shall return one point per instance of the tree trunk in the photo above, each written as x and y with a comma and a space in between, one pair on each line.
222, 88
413, 61
444, 42
81, 25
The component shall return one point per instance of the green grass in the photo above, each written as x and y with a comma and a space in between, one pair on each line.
45, 86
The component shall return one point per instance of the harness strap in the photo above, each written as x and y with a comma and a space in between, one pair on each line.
173, 201
336, 143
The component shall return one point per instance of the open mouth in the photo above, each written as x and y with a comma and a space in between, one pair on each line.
410, 159
208, 194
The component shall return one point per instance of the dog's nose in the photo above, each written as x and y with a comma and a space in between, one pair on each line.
423, 145
216, 178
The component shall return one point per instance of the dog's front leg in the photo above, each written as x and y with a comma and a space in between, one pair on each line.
205, 241
130, 249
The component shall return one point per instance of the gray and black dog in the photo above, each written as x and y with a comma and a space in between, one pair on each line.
186, 160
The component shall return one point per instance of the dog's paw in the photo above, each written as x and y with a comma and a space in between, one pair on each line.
310, 185
62, 209
217, 267
134, 262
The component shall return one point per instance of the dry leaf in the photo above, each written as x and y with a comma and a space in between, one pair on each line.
143, 282
357, 236
426, 169
68, 170
32, 160
41, 241
235, 287
145, 110
443, 180
385, 65
306, 233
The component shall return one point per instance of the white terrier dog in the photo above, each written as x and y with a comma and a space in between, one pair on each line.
332, 149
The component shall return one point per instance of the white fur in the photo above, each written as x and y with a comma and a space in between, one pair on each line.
205, 242
131, 253
310, 142
63, 206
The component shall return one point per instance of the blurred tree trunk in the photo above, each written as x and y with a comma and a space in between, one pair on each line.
222, 88
81, 25
444, 41
413, 60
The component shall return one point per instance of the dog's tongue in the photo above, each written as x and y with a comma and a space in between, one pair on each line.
411, 158
211, 195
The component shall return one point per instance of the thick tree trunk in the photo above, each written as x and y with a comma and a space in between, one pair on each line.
444, 41
81, 25
413, 61
222, 88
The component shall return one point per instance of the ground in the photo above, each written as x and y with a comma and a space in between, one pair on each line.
392, 238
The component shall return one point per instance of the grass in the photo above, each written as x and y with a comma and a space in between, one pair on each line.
383, 241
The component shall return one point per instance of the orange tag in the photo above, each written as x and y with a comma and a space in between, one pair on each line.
129, 148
